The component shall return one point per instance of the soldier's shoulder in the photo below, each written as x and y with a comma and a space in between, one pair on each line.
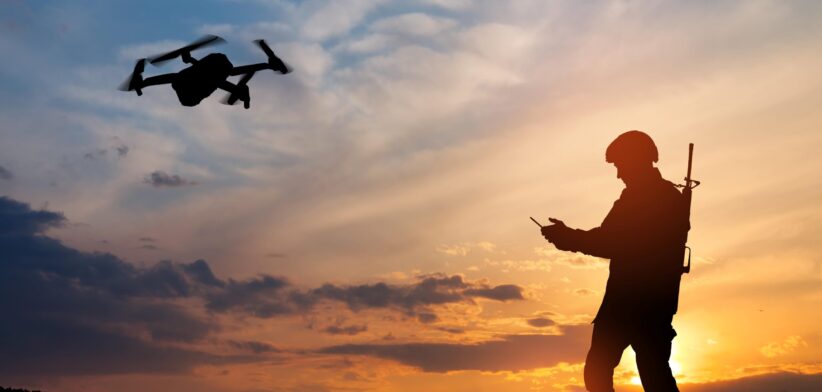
669, 188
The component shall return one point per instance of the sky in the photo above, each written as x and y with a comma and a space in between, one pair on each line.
364, 226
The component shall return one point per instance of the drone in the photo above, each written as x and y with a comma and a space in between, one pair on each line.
199, 80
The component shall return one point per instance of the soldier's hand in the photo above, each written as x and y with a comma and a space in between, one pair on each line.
557, 222
551, 232
559, 235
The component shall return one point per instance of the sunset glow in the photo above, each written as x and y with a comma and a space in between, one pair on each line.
365, 224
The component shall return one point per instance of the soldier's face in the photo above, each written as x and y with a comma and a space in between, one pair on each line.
629, 172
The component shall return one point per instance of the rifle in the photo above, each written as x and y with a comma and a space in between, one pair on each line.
687, 193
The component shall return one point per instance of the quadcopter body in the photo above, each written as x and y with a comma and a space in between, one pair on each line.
200, 79
196, 82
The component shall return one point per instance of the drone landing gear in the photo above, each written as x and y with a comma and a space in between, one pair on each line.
239, 92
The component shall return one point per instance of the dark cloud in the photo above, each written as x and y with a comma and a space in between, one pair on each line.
254, 346
5, 174
20, 220
781, 381
540, 322
453, 330
147, 239
511, 353
264, 296
122, 150
160, 179
345, 330
505, 292
34, 348
427, 317
414, 298
98, 153
70, 312
66, 310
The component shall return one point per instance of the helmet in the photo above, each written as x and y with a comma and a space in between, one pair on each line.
632, 146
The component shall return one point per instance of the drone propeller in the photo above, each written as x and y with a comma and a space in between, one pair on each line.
205, 41
275, 62
135, 81
240, 93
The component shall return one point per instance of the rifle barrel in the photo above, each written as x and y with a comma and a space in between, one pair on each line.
690, 159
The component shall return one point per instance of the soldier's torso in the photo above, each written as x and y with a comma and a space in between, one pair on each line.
649, 228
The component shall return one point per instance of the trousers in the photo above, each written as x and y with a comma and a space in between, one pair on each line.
651, 342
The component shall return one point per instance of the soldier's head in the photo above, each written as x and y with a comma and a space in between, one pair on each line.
633, 153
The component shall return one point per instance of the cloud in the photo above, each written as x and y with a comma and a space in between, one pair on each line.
264, 296
794, 382
45, 347
427, 317
452, 330
73, 309
5, 174
254, 346
449, 4
21, 221
584, 292
122, 150
464, 248
136, 52
341, 330
98, 153
540, 322
574, 260
79, 313
776, 349
336, 17
160, 179
413, 24
453, 250
505, 292
510, 353
367, 44
431, 290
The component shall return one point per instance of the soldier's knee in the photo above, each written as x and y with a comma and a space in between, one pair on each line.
598, 376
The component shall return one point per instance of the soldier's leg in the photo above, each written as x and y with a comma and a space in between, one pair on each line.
607, 344
653, 350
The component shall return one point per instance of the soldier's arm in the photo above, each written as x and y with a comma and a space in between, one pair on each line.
594, 242
599, 242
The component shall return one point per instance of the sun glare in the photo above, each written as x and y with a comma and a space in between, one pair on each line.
676, 369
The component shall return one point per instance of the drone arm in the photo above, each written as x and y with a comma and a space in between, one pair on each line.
244, 69
227, 86
159, 79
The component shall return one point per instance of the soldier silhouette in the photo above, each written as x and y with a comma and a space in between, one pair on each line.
644, 236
